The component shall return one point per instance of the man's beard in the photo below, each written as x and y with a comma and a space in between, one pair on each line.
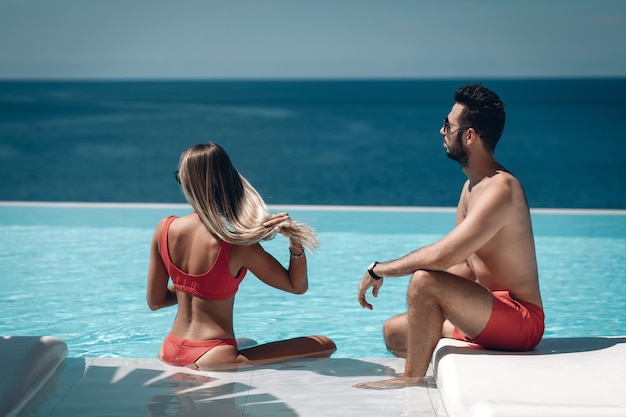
457, 151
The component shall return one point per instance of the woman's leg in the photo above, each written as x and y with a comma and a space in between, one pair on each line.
225, 357
299, 347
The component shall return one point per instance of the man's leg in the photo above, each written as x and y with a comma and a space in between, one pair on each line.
394, 333
433, 297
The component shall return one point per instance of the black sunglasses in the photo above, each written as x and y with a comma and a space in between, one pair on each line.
446, 125
177, 177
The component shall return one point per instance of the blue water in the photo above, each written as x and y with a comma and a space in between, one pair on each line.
79, 273
306, 142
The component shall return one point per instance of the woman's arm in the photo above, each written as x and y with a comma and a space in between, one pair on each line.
158, 293
264, 266
294, 279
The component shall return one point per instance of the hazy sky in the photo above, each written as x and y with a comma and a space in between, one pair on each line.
311, 38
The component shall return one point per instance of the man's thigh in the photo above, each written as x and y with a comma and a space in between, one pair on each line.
465, 304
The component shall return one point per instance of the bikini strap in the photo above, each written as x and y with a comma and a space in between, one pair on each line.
163, 249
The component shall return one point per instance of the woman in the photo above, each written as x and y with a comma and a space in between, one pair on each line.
208, 252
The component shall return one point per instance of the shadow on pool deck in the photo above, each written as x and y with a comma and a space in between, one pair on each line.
134, 387
574, 377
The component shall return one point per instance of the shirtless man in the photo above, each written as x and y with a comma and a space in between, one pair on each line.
479, 282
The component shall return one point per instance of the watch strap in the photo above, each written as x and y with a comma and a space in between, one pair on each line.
370, 270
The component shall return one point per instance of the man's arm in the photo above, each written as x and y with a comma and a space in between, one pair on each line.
462, 270
488, 213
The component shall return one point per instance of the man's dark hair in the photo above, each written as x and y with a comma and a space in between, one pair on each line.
484, 111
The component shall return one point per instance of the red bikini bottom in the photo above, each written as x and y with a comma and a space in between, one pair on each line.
183, 352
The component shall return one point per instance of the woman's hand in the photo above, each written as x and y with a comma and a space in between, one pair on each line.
293, 279
276, 221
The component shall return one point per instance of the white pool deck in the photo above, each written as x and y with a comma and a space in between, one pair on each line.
562, 377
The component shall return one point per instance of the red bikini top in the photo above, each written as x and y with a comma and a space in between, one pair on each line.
216, 284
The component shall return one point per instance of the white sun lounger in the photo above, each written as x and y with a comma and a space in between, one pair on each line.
571, 377
26, 363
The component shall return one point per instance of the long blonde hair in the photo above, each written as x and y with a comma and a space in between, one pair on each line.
227, 204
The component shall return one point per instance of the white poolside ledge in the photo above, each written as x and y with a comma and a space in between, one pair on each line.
572, 377
105, 387
176, 206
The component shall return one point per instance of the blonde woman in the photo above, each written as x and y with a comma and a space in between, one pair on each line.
207, 254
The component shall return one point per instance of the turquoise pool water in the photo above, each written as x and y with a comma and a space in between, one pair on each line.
78, 272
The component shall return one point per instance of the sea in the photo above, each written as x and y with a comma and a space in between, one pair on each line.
310, 142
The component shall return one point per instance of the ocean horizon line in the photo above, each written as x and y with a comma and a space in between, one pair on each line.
79, 79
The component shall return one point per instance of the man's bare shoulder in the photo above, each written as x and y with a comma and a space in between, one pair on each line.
499, 192
501, 183
511, 187
502, 179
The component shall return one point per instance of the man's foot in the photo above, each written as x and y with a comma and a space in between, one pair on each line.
394, 383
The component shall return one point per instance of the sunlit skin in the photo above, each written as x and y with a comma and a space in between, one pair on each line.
491, 248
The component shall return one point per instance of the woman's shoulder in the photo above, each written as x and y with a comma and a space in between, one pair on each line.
241, 253
166, 219
244, 248
162, 222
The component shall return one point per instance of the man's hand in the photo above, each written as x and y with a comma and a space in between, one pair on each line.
365, 285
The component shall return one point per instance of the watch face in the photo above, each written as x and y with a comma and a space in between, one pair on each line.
372, 265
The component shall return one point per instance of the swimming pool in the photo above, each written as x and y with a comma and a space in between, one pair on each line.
78, 272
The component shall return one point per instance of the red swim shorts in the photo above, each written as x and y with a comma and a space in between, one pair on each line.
183, 352
513, 325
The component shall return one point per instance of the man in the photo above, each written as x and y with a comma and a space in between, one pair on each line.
479, 282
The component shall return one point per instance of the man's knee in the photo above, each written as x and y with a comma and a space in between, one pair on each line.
422, 286
395, 334
393, 329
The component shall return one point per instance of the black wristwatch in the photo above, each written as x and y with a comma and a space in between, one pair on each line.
370, 270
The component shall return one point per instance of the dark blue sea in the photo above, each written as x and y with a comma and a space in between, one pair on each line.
306, 142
